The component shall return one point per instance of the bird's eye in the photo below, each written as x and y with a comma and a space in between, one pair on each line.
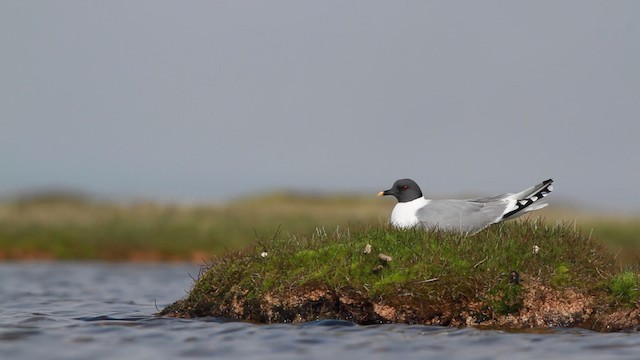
405, 187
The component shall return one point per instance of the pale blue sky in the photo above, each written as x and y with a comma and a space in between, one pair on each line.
209, 100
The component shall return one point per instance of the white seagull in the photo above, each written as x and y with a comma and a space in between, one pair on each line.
465, 215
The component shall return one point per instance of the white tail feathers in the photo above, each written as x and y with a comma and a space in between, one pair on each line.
525, 200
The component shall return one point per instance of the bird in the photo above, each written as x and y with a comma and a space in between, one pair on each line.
467, 216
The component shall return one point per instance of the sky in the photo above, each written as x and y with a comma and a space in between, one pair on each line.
211, 100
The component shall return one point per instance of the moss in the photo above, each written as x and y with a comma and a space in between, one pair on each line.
624, 287
561, 276
506, 299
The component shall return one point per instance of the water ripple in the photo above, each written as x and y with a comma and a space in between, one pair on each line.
13, 335
83, 310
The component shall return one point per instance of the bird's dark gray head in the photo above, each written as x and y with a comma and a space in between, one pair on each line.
404, 190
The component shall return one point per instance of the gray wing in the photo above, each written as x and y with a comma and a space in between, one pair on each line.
489, 199
461, 215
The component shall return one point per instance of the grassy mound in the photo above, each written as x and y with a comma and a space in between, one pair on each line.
513, 275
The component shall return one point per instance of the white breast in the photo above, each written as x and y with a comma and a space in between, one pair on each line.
404, 214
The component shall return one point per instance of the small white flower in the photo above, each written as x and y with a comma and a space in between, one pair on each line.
264, 254
367, 249
536, 248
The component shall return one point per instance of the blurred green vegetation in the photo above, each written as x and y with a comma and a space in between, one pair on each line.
72, 226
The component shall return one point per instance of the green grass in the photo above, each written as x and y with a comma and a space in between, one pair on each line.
430, 272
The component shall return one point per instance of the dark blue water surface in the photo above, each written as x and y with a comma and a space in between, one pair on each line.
105, 311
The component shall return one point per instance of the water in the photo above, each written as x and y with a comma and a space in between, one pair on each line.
105, 311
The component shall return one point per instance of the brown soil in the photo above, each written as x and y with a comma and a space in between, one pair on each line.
542, 306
